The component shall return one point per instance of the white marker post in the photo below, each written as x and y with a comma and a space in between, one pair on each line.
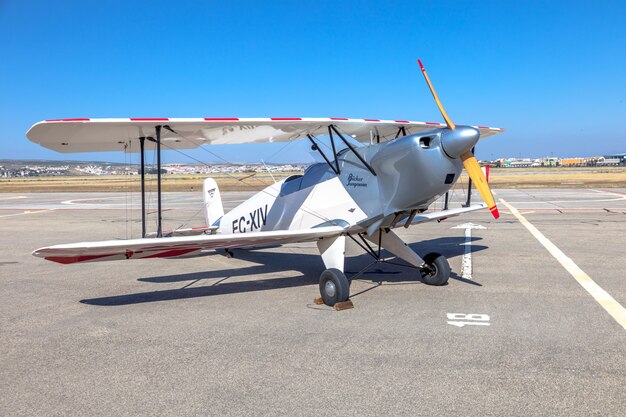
466, 263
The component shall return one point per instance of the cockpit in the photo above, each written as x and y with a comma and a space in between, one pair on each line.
314, 174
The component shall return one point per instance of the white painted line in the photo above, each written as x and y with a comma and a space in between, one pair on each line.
18, 197
74, 201
468, 323
454, 319
26, 212
603, 298
577, 200
611, 193
466, 261
576, 197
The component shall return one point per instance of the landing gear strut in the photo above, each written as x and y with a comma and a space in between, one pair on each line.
433, 268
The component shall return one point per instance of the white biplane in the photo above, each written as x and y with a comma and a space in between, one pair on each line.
385, 179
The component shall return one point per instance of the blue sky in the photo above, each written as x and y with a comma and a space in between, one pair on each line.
551, 74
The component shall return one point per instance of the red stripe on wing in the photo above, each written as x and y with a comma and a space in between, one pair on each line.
171, 253
73, 259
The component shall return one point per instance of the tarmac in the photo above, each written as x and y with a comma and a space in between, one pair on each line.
520, 332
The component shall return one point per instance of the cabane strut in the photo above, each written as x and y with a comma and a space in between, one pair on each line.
335, 167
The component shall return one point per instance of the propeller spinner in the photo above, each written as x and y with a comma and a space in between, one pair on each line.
460, 145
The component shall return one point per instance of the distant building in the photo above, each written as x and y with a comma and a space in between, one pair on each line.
516, 163
616, 159
551, 161
573, 162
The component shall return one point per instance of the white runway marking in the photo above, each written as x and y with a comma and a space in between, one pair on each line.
74, 201
622, 196
17, 197
466, 262
601, 200
603, 298
576, 197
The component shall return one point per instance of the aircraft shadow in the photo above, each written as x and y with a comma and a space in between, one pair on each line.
307, 268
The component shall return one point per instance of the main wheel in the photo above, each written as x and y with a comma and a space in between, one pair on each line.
437, 269
334, 287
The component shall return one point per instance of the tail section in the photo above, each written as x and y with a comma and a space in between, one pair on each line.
213, 209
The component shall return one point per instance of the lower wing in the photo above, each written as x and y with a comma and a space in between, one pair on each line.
171, 247
443, 214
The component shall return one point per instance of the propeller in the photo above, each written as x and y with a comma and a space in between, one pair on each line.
469, 160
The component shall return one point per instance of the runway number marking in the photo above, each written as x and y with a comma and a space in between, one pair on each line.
603, 298
461, 319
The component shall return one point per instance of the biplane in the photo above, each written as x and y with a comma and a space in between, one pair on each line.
377, 175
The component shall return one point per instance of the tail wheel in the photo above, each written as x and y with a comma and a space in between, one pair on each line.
437, 269
334, 287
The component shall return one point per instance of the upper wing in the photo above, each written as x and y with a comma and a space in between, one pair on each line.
100, 135
170, 247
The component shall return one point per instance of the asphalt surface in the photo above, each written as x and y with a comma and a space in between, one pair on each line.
219, 336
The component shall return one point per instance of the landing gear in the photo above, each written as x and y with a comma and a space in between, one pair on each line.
334, 287
436, 270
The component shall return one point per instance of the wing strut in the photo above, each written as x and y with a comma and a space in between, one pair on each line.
469, 191
142, 141
159, 232
401, 131
469, 194
159, 219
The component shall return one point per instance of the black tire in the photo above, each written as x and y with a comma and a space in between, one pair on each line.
334, 287
437, 271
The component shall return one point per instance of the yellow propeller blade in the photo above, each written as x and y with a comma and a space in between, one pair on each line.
469, 160
478, 178
451, 125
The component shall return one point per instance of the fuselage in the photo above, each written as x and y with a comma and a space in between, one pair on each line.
411, 173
